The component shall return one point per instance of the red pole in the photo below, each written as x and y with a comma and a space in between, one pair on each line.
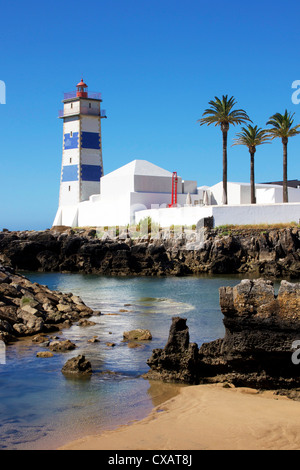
174, 188
172, 200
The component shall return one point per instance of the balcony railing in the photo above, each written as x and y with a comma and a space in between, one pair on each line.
84, 110
90, 94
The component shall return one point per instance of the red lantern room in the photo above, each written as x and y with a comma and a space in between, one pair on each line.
81, 89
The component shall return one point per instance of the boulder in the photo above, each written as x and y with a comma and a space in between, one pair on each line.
30, 324
178, 361
137, 335
44, 354
62, 346
77, 366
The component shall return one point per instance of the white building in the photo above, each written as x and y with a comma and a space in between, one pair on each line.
141, 189
137, 186
240, 193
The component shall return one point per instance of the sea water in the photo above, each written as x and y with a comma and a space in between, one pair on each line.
40, 408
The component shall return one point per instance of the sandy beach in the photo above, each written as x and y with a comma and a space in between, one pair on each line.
208, 417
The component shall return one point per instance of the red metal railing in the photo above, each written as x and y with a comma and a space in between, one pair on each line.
90, 94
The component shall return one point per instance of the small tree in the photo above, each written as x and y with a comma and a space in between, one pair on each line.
221, 113
251, 137
282, 127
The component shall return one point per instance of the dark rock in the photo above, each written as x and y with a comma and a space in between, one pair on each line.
62, 346
256, 351
272, 253
77, 366
178, 361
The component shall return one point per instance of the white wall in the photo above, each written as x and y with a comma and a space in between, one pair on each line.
155, 184
70, 157
257, 214
71, 124
265, 195
90, 106
188, 215
294, 194
248, 214
189, 186
120, 211
159, 199
89, 188
67, 215
233, 193
90, 124
240, 193
90, 157
71, 107
104, 212
69, 193
110, 186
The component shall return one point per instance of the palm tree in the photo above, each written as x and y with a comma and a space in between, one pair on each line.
221, 113
251, 137
282, 127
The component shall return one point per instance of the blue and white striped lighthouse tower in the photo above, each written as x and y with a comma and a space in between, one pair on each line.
82, 164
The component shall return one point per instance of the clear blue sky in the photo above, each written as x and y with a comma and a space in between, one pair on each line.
157, 64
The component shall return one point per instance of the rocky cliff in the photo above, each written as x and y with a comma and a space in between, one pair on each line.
274, 253
258, 347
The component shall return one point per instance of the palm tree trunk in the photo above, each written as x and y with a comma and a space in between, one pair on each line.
285, 187
252, 180
225, 200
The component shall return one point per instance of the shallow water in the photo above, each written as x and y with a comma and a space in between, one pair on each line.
42, 409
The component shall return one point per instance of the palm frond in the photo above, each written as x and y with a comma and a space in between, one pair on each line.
252, 136
221, 112
282, 125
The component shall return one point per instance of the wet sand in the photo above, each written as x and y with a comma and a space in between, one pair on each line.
208, 417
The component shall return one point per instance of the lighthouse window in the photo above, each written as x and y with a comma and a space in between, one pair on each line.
90, 105
70, 160
71, 133
71, 105
69, 188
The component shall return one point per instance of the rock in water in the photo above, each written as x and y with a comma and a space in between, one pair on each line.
44, 354
137, 335
177, 362
62, 346
77, 366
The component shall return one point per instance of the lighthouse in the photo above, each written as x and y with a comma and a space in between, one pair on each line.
82, 164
